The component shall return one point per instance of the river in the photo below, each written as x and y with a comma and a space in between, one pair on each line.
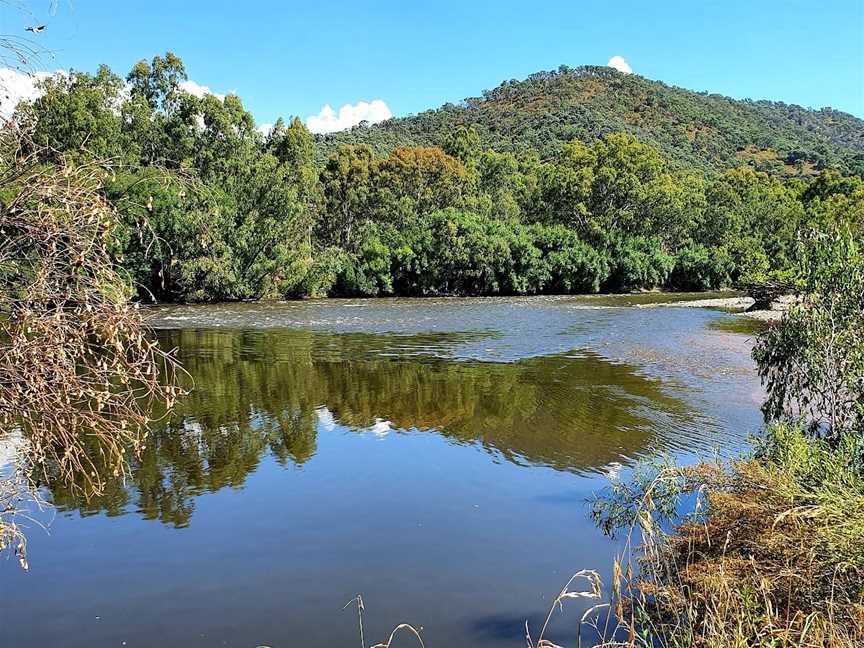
433, 455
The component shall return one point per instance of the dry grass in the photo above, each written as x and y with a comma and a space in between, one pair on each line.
765, 561
404, 628
594, 592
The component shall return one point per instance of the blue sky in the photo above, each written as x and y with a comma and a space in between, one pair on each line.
292, 58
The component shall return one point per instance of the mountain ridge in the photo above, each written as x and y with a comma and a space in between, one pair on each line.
708, 131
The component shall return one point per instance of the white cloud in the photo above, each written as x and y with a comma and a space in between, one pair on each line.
199, 91
18, 86
265, 129
328, 121
619, 64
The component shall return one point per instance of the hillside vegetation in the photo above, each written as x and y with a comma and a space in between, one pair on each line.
691, 129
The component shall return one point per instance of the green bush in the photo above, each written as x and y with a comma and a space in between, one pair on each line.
700, 268
638, 262
812, 361
367, 272
571, 265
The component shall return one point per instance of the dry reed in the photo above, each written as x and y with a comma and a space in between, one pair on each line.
402, 627
753, 566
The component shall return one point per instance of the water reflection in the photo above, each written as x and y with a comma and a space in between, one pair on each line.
275, 391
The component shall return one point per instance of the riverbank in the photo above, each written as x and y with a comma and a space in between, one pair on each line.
766, 550
740, 304
770, 553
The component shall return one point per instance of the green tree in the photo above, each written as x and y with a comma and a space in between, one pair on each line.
158, 81
508, 183
623, 168
566, 186
412, 182
755, 217
347, 184
812, 362
462, 143
76, 115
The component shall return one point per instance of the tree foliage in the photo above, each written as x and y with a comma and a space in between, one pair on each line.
212, 209
693, 130
812, 362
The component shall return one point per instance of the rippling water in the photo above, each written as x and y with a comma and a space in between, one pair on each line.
433, 455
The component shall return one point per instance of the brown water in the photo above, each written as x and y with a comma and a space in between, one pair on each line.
433, 455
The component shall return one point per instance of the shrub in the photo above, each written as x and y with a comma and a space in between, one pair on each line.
639, 262
770, 554
812, 362
700, 268
367, 272
572, 265
79, 374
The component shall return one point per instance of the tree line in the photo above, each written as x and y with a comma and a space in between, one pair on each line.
210, 208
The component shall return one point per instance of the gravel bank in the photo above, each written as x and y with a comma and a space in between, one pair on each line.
740, 304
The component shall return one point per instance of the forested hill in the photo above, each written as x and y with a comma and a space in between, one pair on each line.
691, 129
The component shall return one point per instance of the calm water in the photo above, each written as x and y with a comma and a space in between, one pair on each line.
433, 455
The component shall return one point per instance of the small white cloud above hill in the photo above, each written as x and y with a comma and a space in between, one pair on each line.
619, 64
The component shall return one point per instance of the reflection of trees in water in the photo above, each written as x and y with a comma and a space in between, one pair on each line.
257, 392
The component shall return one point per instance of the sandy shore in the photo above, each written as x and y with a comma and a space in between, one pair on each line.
738, 304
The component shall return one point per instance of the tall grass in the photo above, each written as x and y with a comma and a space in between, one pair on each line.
770, 553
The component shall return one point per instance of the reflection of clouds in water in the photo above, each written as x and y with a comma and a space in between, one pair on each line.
381, 428
327, 423
194, 432
11, 447
613, 470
